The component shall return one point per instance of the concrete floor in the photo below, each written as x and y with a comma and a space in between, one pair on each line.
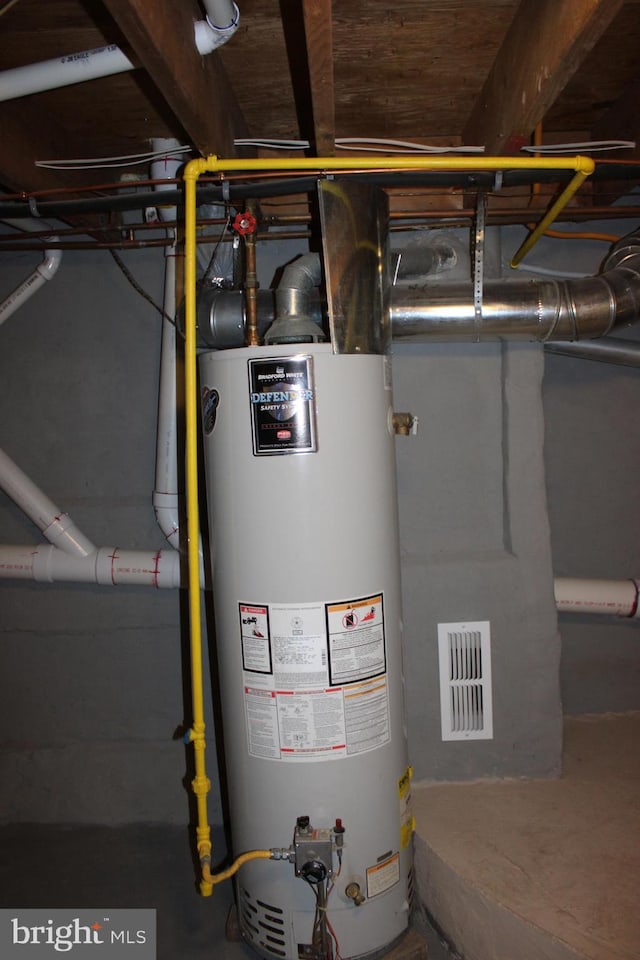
510, 870
134, 866
540, 869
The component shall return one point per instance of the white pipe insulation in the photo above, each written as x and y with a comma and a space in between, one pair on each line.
617, 598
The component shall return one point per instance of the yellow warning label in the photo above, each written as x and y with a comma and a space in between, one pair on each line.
404, 783
407, 821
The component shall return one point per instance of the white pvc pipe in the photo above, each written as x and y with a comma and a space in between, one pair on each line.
617, 598
63, 71
108, 566
165, 494
58, 527
223, 18
43, 272
221, 14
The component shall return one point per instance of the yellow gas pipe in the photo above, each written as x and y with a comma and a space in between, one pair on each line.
583, 166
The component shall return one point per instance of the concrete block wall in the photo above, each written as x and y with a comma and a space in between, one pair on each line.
91, 692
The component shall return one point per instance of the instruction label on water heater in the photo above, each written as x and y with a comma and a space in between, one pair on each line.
282, 399
296, 708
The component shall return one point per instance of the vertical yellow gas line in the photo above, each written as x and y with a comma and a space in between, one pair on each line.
583, 165
201, 783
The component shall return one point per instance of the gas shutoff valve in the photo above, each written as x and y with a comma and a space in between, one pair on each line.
314, 848
405, 424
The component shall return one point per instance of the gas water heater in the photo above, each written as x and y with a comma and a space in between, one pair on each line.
300, 468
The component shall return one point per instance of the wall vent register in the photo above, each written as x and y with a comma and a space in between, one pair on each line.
464, 653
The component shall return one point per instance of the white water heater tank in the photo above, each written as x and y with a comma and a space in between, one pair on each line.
300, 468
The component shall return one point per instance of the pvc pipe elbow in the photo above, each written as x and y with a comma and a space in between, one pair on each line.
209, 37
165, 506
49, 266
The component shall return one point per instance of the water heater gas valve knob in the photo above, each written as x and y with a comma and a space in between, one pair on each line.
314, 848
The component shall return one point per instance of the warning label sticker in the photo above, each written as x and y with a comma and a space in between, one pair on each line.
262, 722
407, 821
383, 876
299, 646
254, 630
311, 724
356, 639
366, 708
293, 711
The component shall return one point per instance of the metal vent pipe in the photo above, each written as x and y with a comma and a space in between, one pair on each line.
533, 309
523, 309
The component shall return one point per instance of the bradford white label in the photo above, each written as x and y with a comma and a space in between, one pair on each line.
282, 404
80, 934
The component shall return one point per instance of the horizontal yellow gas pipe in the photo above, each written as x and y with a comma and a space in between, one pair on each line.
212, 164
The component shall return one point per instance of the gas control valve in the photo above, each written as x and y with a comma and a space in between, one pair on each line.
314, 848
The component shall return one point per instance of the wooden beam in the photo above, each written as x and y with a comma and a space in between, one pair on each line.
197, 89
318, 34
30, 134
620, 122
544, 46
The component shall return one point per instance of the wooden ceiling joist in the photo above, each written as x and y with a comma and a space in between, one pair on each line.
318, 33
26, 132
196, 88
620, 122
543, 48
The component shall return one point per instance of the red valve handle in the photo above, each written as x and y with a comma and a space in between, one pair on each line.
244, 223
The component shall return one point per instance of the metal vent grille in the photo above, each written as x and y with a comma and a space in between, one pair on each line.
262, 923
466, 709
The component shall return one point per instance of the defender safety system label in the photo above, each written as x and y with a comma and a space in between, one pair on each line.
314, 679
281, 393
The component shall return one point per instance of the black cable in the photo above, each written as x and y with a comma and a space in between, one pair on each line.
136, 286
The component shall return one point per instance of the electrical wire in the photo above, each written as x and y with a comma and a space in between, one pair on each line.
272, 144
7, 7
98, 163
383, 145
217, 246
337, 954
136, 286
318, 920
364, 144
585, 146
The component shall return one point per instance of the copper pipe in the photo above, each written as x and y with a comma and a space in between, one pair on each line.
251, 284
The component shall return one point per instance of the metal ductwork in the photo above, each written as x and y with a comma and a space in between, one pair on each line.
294, 314
535, 309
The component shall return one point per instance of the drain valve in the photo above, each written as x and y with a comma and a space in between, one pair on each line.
352, 890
